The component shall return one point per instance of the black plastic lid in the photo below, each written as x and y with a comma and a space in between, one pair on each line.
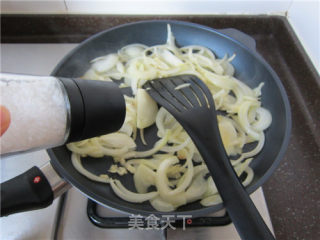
96, 108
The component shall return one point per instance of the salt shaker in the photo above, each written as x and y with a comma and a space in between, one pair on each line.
47, 111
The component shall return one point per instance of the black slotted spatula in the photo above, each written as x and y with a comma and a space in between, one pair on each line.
192, 106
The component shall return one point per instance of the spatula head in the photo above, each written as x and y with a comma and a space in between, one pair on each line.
190, 102
181, 94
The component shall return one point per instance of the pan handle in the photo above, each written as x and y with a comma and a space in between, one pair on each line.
33, 189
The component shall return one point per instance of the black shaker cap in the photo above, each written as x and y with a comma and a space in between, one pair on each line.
96, 108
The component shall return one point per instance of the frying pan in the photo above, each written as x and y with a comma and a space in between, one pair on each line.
250, 68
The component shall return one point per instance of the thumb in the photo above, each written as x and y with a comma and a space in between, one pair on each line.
5, 119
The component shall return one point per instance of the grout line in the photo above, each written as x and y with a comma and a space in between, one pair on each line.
66, 6
58, 217
289, 7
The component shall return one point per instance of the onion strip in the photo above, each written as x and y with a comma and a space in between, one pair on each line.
127, 195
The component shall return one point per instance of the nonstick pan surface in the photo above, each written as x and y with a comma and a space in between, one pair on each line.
250, 68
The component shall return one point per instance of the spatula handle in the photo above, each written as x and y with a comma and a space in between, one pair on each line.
238, 203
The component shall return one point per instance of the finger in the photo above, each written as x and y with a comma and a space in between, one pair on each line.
5, 119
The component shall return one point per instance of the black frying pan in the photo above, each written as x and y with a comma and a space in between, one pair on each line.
250, 68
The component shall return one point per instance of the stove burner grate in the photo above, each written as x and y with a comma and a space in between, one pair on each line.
124, 222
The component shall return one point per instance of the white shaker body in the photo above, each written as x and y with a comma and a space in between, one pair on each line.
39, 112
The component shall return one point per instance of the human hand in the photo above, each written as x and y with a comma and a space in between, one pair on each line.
5, 119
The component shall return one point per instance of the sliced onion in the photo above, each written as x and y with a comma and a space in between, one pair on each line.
161, 176
162, 206
251, 153
177, 147
249, 177
157, 147
211, 188
104, 64
162, 182
131, 51
147, 109
127, 195
243, 119
264, 119
76, 161
143, 178
197, 188
117, 140
211, 200
228, 135
170, 58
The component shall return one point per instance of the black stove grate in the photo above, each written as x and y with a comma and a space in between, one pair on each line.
123, 222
